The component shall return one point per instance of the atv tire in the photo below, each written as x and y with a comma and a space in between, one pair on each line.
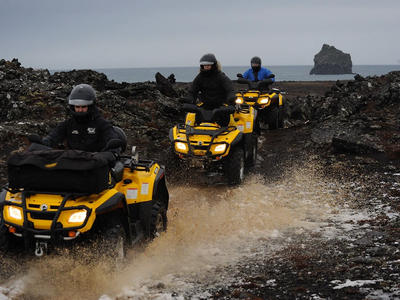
252, 158
281, 117
174, 166
7, 239
158, 221
273, 117
112, 241
4, 237
234, 166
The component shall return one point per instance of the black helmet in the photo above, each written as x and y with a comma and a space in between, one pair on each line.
82, 94
208, 59
255, 60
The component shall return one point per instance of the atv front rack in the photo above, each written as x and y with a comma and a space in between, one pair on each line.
190, 131
56, 228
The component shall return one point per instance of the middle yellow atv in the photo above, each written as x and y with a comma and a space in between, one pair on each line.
205, 144
269, 103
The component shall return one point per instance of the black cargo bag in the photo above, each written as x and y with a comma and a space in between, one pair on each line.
59, 170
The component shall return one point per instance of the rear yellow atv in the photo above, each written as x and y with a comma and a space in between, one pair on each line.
206, 144
269, 103
131, 208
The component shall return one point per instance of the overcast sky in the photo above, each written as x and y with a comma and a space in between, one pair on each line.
79, 34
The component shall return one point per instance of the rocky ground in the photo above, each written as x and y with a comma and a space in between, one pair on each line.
359, 149
360, 263
351, 129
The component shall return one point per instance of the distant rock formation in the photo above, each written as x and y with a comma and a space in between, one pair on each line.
165, 86
331, 61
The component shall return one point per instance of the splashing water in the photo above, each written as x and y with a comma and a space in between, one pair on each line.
210, 229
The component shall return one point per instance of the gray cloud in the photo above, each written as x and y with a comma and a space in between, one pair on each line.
155, 33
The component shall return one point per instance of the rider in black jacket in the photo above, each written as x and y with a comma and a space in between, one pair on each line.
86, 130
214, 87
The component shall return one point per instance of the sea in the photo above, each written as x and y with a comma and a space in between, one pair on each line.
282, 73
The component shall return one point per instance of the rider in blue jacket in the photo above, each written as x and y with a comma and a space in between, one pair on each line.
256, 72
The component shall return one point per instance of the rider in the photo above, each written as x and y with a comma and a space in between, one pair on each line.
86, 130
214, 87
256, 72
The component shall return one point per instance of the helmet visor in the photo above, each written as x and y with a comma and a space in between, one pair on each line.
80, 102
203, 63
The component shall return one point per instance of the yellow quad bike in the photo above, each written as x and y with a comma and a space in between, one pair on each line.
269, 103
203, 144
60, 206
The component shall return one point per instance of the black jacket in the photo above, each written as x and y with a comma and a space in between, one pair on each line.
90, 135
215, 89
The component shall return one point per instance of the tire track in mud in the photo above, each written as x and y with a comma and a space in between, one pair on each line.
210, 229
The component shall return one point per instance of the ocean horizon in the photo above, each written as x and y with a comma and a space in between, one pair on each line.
282, 73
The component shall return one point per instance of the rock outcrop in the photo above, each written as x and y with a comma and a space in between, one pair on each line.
34, 101
355, 116
331, 61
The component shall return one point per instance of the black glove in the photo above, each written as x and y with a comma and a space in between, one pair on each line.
110, 157
35, 138
239, 75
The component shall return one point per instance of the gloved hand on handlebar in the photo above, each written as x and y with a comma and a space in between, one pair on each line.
110, 157
35, 138
36, 143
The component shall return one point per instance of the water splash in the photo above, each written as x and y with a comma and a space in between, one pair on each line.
210, 230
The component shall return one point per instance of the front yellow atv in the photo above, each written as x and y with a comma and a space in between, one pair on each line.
132, 208
206, 144
269, 103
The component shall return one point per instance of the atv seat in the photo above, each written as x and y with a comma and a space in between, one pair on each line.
121, 136
220, 115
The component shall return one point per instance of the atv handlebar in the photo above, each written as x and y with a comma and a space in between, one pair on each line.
112, 144
209, 115
259, 85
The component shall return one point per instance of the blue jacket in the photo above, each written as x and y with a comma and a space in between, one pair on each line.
262, 74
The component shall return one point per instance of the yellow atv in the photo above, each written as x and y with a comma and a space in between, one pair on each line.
57, 198
205, 143
269, 103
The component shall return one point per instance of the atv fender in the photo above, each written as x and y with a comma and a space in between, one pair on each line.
171, 134
249, 139
160, 187
249, 143
237, 139
3, 197
112, 202
145, 216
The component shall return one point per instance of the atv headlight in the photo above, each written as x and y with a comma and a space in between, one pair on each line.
220, 148
239, 101
77, 217
14, 212
264, 101
181, 146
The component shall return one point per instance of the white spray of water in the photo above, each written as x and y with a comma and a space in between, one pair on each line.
210, 228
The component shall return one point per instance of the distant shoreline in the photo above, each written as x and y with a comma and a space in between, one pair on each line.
52, 71
282, 73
